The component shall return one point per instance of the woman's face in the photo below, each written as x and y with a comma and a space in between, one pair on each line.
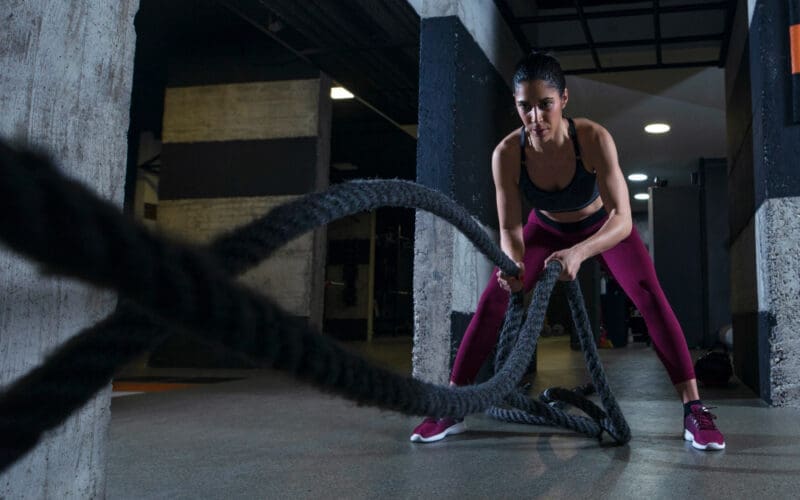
540, 108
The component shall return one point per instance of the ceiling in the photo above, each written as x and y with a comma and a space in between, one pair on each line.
628, 62
369, 46
592, 36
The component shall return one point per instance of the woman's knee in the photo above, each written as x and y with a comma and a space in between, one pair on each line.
647, 296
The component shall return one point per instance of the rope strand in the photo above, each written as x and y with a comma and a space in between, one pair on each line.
165, 286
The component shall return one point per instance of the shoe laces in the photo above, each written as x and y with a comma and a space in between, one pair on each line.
705, 419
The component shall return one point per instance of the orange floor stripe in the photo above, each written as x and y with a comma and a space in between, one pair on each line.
147, 386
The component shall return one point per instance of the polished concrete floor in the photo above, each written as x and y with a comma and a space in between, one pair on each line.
267, 436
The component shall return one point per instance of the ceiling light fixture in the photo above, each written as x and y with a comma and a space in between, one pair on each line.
340, 93
637, 177
657, 128
642, 196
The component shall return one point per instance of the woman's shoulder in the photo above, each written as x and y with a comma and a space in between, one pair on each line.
590, 133
587, 126
509, 146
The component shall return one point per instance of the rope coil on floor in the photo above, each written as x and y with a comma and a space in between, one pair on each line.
166, 286
530, 411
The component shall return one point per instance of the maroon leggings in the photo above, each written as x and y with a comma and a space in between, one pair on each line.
628, 262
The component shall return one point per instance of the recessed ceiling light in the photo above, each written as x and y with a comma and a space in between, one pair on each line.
340, 93
657, 128
637, 177
642, 196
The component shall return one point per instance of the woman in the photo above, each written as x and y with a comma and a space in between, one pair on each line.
569, 171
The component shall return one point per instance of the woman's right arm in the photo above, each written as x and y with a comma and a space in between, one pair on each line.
505, 171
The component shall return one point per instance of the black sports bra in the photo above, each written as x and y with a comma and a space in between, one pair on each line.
579, 193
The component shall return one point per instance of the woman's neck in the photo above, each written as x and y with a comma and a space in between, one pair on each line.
552, 146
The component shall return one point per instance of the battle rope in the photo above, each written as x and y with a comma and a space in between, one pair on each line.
165, 286
531, 411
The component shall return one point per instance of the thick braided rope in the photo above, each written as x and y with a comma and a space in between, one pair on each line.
521, 409
183, 286
531, 411
615, 423
254, 242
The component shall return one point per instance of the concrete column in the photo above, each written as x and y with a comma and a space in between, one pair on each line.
65, 79
485, 24
465, 108
764, 193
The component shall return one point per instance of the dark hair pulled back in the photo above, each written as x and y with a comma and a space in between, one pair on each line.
540, 66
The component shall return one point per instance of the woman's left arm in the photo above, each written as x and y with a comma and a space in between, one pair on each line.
602, 153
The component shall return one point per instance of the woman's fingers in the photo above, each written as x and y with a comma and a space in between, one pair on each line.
511, 283
508, 283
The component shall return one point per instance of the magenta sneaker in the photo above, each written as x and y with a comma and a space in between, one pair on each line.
433, 429
699, 428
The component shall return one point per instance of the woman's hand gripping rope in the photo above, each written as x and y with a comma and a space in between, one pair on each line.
512, 284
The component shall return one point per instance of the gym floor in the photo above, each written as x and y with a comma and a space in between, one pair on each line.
261, 434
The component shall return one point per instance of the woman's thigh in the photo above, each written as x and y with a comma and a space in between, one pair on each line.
540, 242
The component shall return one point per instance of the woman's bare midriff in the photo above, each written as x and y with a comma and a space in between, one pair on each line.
577, 215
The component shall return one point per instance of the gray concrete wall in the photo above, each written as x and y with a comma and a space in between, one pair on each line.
65, 77
231, 152
777, 230
251, 146
764, 193
776, 148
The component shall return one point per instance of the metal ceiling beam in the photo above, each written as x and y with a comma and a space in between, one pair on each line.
657, 30
588, 34
354, 49
637, 43
508, 17
396, 23
642, 67
726, 39
674, 9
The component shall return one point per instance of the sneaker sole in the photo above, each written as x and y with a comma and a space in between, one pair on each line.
453, 429
688, 436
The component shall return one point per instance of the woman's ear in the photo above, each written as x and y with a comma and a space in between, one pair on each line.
564, 98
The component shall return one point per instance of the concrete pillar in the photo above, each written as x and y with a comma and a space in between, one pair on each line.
465, 108
230, 153
764, 193
65, 81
